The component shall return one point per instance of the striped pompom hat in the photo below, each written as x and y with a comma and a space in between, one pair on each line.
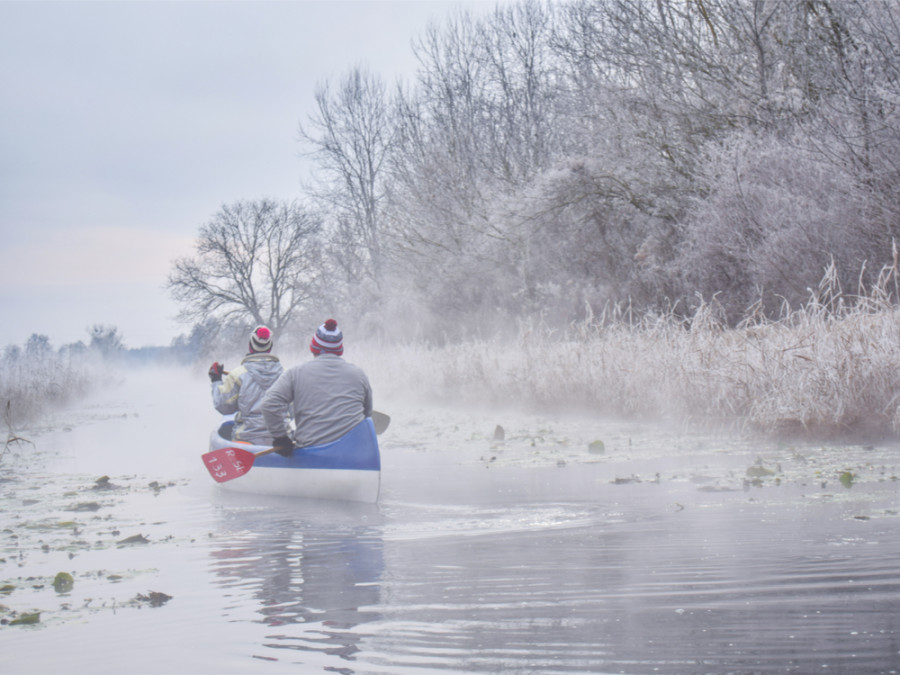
328, 339
260, 340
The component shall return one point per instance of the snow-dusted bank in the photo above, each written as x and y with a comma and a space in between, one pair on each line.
831, 367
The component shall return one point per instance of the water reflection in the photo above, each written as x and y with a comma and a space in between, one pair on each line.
322, 569
645, 578
720, 586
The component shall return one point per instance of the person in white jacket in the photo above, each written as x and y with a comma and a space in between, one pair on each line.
241, 390
326, 397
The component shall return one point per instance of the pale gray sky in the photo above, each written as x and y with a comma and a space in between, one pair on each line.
124, 126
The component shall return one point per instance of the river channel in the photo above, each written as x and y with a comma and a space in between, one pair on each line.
544, 552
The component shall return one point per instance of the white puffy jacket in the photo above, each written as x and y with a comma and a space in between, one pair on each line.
241, 392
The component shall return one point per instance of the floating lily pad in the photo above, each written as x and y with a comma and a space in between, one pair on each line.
134, 539
596, 447
26, 618
85, 506
63, 582
847, 479
153, 598
103, 483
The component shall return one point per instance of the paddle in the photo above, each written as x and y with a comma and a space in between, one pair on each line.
381, 421
227, 464
230, 463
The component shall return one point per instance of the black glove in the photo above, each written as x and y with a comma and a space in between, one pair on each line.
284, 446
215, 372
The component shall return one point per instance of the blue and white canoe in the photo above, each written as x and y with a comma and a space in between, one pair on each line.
347, 469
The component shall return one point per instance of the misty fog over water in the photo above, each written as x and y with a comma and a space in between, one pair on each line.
665, 552
584, 255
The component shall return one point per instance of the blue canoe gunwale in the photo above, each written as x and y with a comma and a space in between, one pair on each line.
348, 468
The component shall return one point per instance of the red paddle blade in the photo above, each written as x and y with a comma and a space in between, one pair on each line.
228, 463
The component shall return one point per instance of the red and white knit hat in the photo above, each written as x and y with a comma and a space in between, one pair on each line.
327, 339
260, 340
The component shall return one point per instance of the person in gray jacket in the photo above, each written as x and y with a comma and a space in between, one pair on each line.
326, 397
241, 391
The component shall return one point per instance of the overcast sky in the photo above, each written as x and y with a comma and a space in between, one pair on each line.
124, 126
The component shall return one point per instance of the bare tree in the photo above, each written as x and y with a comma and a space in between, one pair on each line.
477, 127
552, 156
106, 340
256, 261
351, 136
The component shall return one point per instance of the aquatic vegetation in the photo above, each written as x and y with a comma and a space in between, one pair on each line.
63, 582
499, 434
596, 447
26, 619
759, 470
35, 380
85, 506
132, 540
103, 483
152, 599
11, 436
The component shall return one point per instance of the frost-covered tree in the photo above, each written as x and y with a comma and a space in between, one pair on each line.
776, 217
656, 90
106, 340
351, 137
816, 186
476, 126
38, 346
553, 157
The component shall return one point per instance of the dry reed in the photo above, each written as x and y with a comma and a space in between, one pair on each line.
830, 367
31, 386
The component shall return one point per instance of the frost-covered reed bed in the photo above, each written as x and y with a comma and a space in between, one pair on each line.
830, 367
32, 385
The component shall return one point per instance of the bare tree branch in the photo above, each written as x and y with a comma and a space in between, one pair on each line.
256, 261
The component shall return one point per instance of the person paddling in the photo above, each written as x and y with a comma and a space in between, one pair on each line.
241, 391
326, 397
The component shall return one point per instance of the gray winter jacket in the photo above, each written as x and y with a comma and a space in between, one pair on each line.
241, 392
326, 398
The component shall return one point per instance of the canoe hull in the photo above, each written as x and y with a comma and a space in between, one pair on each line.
349, 469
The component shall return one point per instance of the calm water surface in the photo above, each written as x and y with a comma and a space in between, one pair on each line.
528, 556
